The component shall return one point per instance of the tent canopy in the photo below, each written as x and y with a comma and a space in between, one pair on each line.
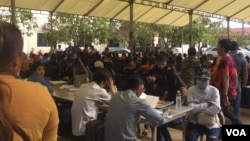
166, 12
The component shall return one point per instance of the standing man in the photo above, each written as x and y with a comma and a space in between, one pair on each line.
189, 68
156, 80
227, 79
157, 85
85, 106
241, 65
59, 53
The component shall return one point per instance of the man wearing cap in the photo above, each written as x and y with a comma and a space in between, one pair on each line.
203, 98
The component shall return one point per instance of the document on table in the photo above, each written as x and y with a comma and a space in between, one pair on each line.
67, 87
58, 82
143, 96
73, 89
165, 104
151, 100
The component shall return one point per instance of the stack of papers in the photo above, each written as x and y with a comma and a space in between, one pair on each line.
67, 87
58, 82
73, 89
164, 105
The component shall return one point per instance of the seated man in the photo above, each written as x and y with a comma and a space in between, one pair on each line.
37, 75
86, 103
204, 98
125, 110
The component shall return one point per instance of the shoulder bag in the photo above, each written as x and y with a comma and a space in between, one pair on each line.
207, 119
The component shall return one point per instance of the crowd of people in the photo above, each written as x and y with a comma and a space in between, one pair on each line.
207, 87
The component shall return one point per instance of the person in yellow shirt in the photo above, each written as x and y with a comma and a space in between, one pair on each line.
27, 108
213, 69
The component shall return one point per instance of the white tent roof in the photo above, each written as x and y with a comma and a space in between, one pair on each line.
166, 12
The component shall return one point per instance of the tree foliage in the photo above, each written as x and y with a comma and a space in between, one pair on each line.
78, 30
25, 19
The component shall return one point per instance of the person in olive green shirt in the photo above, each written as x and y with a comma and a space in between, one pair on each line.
190, 65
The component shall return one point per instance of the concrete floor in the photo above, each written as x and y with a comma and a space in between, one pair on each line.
177, 134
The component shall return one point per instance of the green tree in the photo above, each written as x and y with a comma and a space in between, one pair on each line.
165, 34
204, 31
78, 30
119, 31
243, 40
25, 20
216, 31
142, 34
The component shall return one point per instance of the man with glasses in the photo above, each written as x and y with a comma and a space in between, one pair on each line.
125, 110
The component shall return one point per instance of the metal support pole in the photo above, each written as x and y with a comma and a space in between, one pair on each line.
228, 27
131, 30
110, 32
51, 16
242, 31
181, 40
13, 12
190, 13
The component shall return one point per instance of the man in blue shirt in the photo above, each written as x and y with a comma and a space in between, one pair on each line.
125, 110
241, 66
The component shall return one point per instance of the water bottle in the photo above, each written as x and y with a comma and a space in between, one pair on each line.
178, 100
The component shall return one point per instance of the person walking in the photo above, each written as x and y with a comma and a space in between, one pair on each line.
227, 79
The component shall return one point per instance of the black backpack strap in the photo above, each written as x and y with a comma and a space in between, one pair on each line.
21, 133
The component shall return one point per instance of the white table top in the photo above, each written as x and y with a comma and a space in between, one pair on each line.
175, 114
65, 92
68, 92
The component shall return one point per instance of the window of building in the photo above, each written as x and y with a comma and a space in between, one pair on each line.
41, 41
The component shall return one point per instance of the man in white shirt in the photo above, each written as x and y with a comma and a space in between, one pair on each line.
90, 96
